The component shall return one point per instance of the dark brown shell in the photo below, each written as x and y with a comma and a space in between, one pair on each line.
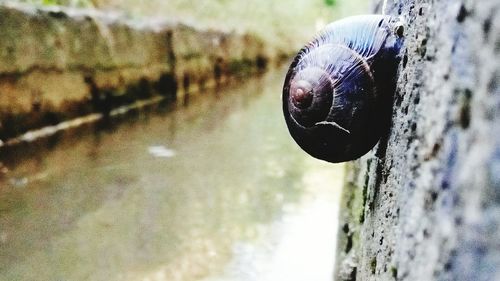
337, 92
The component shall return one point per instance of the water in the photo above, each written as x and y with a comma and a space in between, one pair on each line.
212, 191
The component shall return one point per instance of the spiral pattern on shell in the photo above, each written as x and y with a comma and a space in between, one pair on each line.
338, 90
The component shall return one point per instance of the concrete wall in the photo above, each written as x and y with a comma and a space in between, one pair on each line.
57, 64
425, 204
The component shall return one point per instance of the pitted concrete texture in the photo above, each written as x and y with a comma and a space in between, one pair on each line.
425, 204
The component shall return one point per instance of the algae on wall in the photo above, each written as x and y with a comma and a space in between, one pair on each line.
57, 64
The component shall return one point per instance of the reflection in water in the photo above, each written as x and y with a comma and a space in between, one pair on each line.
161, 151
213, 191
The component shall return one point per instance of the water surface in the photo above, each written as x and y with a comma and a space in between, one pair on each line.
213, 191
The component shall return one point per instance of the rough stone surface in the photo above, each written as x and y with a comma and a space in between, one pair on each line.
61, 63
425, 204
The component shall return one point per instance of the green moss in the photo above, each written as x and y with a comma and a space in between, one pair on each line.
330, 2
373, 265
73, 3
192, 55
351, 210
364, 199
241, 66
394, 272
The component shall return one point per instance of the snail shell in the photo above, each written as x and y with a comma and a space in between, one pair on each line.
337, 95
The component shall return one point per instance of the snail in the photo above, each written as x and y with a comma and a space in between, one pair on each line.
337, 94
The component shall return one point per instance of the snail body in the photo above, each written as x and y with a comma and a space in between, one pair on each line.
338, 90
